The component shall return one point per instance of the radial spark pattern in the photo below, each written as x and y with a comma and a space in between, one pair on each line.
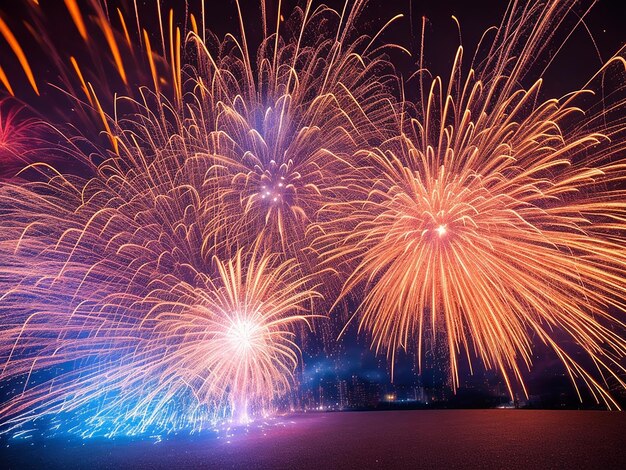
497, 217
20, 139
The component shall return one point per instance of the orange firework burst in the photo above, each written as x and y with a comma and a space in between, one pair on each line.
496, 217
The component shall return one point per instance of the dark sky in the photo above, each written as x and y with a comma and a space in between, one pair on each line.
576, 61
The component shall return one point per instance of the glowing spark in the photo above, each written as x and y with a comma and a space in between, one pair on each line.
17, 49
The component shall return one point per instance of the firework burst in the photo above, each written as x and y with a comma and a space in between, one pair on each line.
284, 130
496, 217
115, 304
162, 285
157, 322
20, 138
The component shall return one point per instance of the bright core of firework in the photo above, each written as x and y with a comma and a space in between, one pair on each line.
441, 230
243, 334
273, 190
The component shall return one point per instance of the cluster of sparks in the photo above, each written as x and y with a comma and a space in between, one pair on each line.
166, 272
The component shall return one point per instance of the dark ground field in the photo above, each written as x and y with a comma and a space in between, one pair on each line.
392, 439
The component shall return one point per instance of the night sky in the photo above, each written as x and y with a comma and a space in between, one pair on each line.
582, 54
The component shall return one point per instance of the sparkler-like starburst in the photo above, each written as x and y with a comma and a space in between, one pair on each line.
285, 129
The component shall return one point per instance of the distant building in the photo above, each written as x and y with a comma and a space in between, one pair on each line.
342, 389
363, 394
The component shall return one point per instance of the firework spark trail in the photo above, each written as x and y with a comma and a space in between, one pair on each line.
496, 217
83, 86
